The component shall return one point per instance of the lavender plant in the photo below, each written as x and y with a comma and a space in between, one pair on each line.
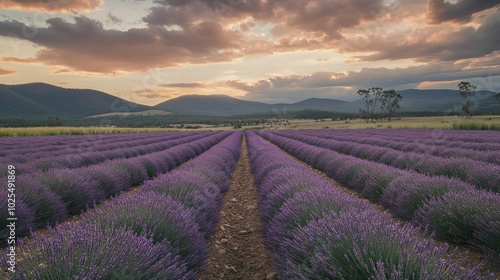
469, 217
157, 217
195, 192
365, 245
76, 189
406, 194
86, 251
48, 207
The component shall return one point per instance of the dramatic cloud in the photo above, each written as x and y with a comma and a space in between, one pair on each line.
461, 11
114, 19
19, 60
6, 72
85, 45
342, 85
321, 48
183, 85
52, 5
437, 44
322, 18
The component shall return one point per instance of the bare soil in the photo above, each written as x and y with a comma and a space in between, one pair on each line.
237, 248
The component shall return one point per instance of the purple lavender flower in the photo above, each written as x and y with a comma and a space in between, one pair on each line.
458, 216
406, 194
195, 192
76, 189
157, 217
86, 251
48, 207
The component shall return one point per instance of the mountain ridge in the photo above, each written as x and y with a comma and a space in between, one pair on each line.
42, 100
45, 100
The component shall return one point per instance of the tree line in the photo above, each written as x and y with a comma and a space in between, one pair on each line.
388, 100
372, 98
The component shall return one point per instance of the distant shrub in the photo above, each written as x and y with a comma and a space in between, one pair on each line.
476, 126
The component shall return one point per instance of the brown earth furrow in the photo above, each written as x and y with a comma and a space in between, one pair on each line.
237, 248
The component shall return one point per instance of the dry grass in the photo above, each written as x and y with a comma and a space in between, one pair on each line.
44, 131
477, 122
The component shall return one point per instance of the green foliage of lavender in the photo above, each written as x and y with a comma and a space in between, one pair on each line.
466, 217
157, 217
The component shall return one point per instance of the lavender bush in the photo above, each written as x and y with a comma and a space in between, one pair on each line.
195, 192
157, 217
463, 168
112, 179
199, 183
307, 206
76, 189
86, 251
48, 207
24, 214
406, 194
365, 245
469, 217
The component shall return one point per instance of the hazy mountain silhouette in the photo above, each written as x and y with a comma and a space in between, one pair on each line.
212, 105
44, 100
413, 100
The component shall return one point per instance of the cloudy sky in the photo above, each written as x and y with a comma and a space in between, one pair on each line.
148, 51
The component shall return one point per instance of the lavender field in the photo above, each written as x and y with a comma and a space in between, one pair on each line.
332, 204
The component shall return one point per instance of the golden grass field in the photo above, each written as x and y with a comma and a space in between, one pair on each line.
477, 122
44, 131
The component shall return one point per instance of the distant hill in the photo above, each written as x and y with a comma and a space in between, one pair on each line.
38, 100
126, 114
413, 101
212, 105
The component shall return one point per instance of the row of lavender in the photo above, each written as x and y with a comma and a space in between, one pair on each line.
59, 145
480, 174
485, 140
34, 144
42, 161
414, 144
455, 211
44, 198
316, 231
157, 233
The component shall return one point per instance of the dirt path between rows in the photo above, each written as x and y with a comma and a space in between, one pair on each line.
237, 248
